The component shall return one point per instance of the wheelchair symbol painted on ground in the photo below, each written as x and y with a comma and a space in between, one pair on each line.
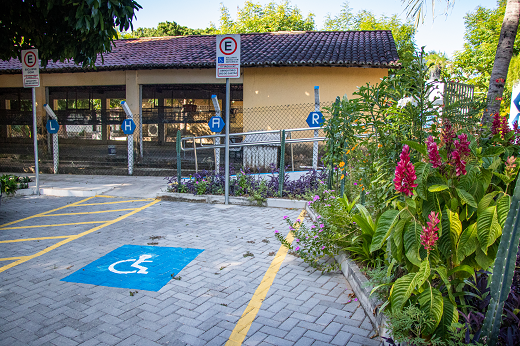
142, 270
136, 267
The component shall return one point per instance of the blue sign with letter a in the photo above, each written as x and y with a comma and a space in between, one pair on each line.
216, 124
128, 126
147, 268
315, 119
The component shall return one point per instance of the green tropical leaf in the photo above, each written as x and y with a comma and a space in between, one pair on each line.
467, 243
401, 291
486, 201
431, 302
466, 197
438, 188
450, 316
412, 242
503, 177
419, 147
465, 268
488, 228
445, 245
497, 161
421, 171
443, 274
366, 215
397, 238
385, 223
493, 151
455, 226
485, 177
483, 260
503, 205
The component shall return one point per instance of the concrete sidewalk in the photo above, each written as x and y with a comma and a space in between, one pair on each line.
67, 185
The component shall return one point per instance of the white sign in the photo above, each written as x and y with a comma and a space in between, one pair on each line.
228, 56
30, 68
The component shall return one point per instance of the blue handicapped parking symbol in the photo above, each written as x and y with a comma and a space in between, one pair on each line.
136, 267
220, 59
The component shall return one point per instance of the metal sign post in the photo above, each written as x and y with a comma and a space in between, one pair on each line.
316, 132
31, 79
228, 66
128, 127
55, 146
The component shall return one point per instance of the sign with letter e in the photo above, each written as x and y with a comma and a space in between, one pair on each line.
228, 56
30, 68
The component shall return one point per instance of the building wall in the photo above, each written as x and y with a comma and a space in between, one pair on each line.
279, 86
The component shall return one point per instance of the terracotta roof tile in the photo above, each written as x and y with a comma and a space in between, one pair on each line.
313, 48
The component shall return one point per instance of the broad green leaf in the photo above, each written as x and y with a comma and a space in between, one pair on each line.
423, 273
493, 151
486, 201
455, 226
412, 242
419, 147
362, 223
445, 245
465, 268
466, 197
485, 177
397, 238
488, 228
483, 260
431, 302
421, 171
503, 177
467, 243
438, 188
495, 164
503, 209
385, 223
401, 291
450, 316
366, 215
443, 274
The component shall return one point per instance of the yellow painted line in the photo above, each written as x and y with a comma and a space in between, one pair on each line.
244, 323
103, 196
89, 212
31, 239
46, 212
12, 258
74, 237
54, 225
129, 201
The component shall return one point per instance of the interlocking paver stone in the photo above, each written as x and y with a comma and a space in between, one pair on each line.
302, 306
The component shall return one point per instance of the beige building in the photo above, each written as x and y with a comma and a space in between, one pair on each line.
170, 80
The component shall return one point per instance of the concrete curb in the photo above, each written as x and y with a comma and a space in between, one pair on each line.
358, 282
217, 199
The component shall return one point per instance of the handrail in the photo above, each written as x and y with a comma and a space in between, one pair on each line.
247, 144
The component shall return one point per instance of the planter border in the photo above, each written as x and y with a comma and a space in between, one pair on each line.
217, 199
359, 285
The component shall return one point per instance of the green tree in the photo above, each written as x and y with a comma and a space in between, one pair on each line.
403, 33
63, 29
269, 18
475, 61
168, 29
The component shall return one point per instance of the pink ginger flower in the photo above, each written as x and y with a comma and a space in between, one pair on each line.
495, 127
505, 129
460, 165
462, 145
447, 135
429, 235
404, 180
433, 152
517, 131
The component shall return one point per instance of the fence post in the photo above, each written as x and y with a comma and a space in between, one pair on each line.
55, 147
178, 145
281, 174
316, 132
216, 141
141, 120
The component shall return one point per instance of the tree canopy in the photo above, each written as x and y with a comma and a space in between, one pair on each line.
404, 33
63, 29
168, 29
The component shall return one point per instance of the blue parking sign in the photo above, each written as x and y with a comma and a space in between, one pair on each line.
147, 268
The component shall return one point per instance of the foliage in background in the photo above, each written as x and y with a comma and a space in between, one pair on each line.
167, 29
11, 183
55, 27
403, 33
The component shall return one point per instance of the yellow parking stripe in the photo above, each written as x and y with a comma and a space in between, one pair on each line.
56, 225
103, 196
31, 239
12, 258
89, 212
71, 238
244, 323
46, 212
129, 201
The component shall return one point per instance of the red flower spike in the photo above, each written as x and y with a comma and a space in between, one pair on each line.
404, 180
460, 166
462, 145
433, 152
495, 127
429, 235
447, 135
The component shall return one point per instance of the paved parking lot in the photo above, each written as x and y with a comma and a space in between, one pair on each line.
241, 289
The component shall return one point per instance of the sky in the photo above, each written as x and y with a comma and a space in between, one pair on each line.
444, 33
